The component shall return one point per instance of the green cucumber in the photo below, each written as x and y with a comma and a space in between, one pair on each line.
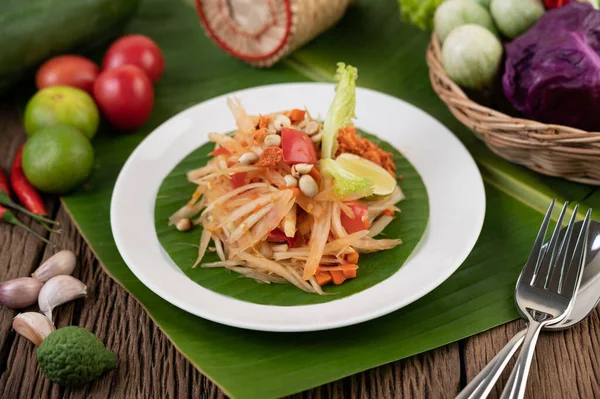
34, 30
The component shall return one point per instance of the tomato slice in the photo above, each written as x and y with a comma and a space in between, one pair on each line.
277, 236
360, 220
297, 147
238, 179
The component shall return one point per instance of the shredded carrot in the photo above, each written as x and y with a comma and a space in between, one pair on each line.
303, 223
341, 272
340, 267
323, 278
263, 121
295, 190
297, 115
260, 134
195, 197
352, 258
350, 142
309, 205
221, 151
388, 212
337, 277
270, 157
315, 174
350, 273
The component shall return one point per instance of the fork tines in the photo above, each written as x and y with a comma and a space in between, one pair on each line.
549, 267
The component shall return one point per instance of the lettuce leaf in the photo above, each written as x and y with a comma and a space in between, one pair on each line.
345, 182
419, 12
341, 110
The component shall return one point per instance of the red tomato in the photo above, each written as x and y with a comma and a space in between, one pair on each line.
360, 220
277, 236
67, 70
125, 96
297, 147
238, 179
138, 50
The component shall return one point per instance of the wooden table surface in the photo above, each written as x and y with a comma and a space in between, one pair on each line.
567, 364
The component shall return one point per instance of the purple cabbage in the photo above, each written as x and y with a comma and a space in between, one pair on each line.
553, 70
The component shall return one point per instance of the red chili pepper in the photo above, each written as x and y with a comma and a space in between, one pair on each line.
23, 189
4, 182
9, 217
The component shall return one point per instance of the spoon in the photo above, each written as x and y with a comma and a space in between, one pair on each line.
586, 301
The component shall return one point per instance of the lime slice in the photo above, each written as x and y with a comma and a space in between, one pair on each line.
383, 182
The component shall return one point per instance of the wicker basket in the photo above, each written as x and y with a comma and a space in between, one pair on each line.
261, 32
553, 150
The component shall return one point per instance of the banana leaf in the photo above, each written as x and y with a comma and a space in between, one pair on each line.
390, 57
374, 268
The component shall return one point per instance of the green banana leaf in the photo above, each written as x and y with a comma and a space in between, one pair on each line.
390, 57
374, 268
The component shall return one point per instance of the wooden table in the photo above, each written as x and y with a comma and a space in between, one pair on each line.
567, 363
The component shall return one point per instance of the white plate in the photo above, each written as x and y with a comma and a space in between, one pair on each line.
454, 185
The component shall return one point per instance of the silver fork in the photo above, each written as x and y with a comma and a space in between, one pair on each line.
546, 289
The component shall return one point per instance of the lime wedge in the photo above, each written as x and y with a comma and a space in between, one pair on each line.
383, 182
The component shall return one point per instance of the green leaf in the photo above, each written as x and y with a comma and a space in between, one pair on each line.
374, 268
345, 182
390, 56
419, 12
341, 110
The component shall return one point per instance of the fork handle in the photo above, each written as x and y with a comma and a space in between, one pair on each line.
482, 384
517, 382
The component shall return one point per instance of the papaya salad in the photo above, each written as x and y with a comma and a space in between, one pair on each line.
287, 199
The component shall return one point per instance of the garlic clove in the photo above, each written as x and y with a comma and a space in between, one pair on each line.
59, 290
61, 263
20, 292
33, 326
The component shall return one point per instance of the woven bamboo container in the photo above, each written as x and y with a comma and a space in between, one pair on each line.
261, 32
553, 150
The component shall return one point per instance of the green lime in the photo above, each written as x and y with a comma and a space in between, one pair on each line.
57, 159
62, 105
383, 182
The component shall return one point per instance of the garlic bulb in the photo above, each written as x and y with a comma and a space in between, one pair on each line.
59, 290
33, 326
20, 292
61, 263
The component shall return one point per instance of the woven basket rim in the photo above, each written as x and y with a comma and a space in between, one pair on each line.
435, 46
550, 149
